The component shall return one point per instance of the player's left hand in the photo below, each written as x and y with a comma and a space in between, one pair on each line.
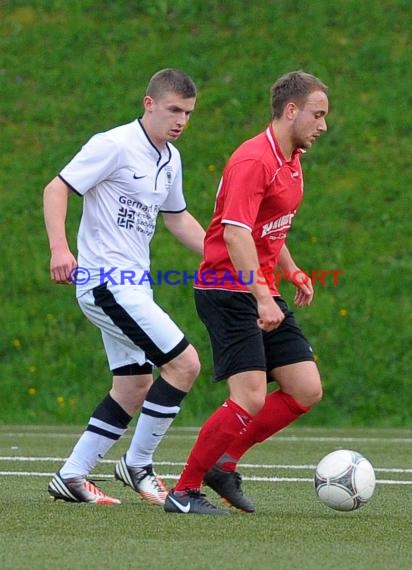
304, 291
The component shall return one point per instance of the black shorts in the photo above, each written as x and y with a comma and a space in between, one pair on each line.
238, 344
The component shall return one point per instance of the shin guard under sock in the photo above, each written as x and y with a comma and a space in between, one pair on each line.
161, 405
220, 428
107, 424
279, 411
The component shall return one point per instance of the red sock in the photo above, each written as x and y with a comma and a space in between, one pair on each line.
211, 442
279, 410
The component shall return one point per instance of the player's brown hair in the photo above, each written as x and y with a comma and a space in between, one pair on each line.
174, 80
294, 86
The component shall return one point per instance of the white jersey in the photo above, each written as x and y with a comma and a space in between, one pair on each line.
125, 182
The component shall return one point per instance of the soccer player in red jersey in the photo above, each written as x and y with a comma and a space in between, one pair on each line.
255, 337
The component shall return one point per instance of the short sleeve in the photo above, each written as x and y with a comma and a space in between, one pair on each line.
95, 162
243, 187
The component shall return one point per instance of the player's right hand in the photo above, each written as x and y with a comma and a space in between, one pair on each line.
270, 315
62, 264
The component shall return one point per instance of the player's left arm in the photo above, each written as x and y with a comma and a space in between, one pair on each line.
301, 280
186, 229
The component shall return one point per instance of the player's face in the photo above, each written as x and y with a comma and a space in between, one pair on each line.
167, 116
310, 120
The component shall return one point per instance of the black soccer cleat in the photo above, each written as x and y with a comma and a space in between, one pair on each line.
191, 502
227, 484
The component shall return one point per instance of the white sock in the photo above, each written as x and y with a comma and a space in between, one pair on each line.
148, 434
86, 454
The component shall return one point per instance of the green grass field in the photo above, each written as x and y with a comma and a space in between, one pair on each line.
290, 530
69, 69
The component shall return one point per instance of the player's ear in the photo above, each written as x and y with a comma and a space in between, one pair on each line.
148, 103
291, 110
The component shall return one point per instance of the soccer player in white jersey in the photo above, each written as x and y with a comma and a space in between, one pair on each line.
127, 176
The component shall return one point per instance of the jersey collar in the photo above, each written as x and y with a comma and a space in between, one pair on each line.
167, 151
277, 151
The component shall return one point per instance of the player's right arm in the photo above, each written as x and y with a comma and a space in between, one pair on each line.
55, 201
244, 257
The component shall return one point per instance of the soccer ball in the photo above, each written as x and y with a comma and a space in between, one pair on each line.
344, 480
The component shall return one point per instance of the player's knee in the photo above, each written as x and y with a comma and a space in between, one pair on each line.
311, 396
130, 393
191, 363
184, 369
251, 402
255, 405
316, 396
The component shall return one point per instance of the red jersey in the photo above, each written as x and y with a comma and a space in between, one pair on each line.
260, 191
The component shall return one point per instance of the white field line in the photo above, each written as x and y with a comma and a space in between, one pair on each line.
181, 464
187, 432
184, 433
109, 476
